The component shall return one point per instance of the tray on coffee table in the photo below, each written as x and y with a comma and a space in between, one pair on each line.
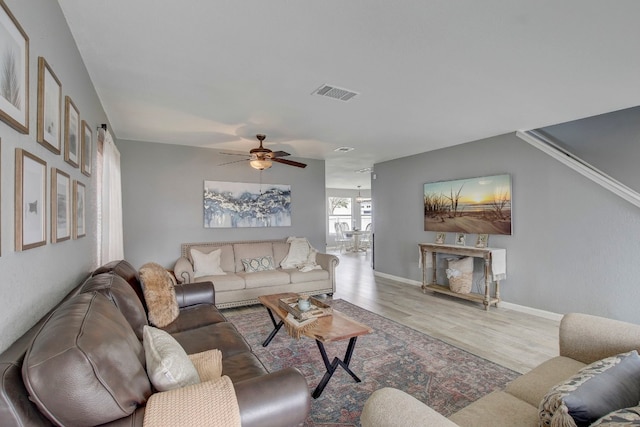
318, 308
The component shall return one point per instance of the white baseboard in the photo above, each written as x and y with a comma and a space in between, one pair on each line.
503, 304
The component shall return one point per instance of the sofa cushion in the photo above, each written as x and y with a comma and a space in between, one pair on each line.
86, 365
168, 365
535, 384
251, 250
157, 285
206, 264
308, 276
497, 409
597, 389
253, 265
280, 250
122, 295
265, 278
223, 336
195, 316
125, 270
229, 282
620, 418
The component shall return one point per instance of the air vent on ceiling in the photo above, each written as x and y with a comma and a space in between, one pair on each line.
334, 92
344, 149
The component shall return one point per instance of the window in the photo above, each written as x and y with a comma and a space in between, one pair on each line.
365, 214
339, 211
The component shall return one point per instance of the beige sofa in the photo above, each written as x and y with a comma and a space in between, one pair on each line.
237, 287
584, 339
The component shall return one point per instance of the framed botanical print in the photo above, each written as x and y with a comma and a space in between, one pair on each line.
79, 229
87, 149
14, 77
30, 201
71, 133
49, 107
60, 206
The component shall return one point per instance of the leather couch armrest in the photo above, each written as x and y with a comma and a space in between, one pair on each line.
183, 270
189, 294
389, 407
589, 338
276, 399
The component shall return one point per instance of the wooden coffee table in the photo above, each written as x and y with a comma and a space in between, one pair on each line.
329, 328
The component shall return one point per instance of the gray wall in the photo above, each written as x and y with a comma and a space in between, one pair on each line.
162, 199
574, 245
35, 279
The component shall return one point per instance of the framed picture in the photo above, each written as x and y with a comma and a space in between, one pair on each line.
14, 78
87, 148
472, 205
482, 241
241, 204
30, 201
441, 238
60, 206
71, 133
49, 102
78, 210
460, 239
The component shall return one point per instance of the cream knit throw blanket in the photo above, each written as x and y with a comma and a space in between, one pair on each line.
207, 404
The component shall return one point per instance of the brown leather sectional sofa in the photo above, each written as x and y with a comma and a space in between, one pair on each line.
82, 363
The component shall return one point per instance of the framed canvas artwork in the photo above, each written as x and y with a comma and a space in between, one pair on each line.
14, 78
240, 204
473, 205
30, 197
60, 206
49, 104
79, 194
87, 149
71, 133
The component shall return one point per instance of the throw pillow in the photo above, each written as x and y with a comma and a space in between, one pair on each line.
206, 264
168, 365
299, 249
159, 293
597, 389
620, 418
208, 364
253, 265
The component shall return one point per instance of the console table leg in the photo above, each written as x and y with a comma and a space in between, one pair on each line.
487, 284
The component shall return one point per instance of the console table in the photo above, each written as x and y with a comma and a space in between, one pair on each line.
488, 254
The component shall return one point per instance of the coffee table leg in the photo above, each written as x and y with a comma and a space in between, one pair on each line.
276, 328
331, 367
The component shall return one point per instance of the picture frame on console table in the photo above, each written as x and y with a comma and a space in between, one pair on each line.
460, 239
14, 61
30, 198
482, 241
441, 238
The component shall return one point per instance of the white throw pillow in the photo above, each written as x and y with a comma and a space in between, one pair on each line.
299, 249
168, 365
206, 264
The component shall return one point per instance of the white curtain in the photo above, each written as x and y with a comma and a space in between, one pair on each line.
110, 242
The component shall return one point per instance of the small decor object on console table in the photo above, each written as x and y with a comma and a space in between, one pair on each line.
482, 241
441, 238
460, 239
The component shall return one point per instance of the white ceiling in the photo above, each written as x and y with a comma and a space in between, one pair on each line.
429, 73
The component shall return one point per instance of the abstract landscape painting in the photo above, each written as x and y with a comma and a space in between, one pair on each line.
239, 204
475, 205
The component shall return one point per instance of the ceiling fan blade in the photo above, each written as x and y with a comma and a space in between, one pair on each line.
278, 154
289, 162
235, 161
233, 153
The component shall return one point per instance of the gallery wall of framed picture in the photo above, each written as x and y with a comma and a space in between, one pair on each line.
50, 192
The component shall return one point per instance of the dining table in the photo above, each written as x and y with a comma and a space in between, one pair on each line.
356, 236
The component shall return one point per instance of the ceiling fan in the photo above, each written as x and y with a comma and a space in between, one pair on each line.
262, 158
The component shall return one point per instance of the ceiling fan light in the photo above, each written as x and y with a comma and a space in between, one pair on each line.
260, 164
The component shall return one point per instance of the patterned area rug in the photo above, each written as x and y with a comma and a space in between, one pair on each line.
443, 376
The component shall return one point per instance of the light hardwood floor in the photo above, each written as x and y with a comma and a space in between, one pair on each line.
516, 340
